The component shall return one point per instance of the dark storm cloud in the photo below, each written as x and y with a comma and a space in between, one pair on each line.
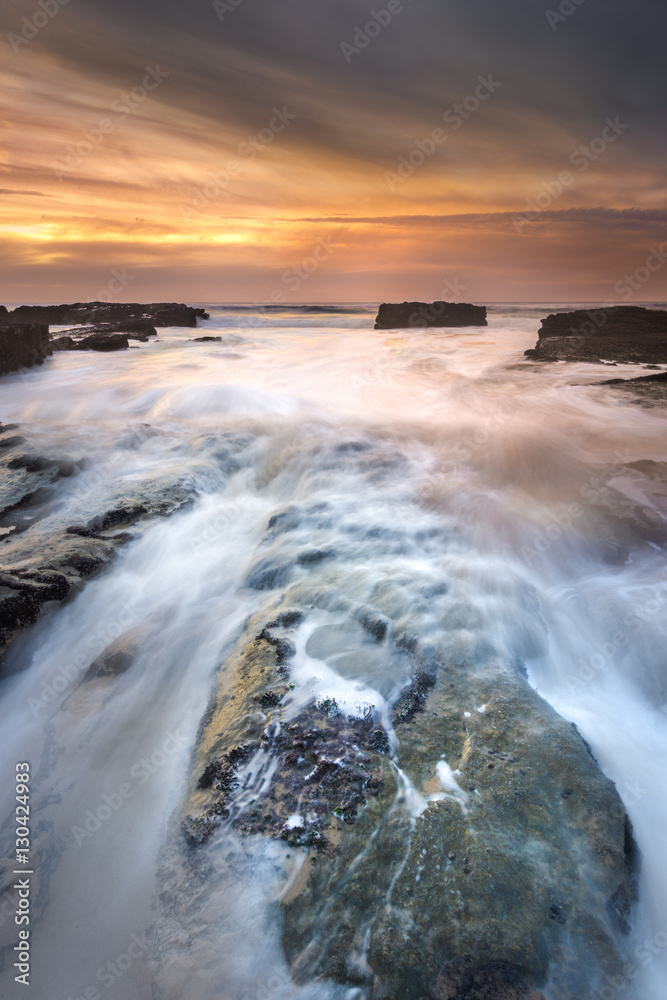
605, 58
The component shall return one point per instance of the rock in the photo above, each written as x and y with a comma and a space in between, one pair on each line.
619, 333
544, 887
205, 340
38, 566
100, 336
392, 316
461, 980
642, 379
22, 346
62, 344
157, 313
102, 342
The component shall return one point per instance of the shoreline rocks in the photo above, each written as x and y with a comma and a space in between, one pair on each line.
97, 326
159, 314
618, 333
22, 346
38, 565
393, 316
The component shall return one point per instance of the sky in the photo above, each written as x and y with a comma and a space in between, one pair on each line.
333, 150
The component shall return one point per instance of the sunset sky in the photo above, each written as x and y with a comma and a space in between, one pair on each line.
204, 151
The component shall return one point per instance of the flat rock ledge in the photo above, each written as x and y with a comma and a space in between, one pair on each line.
159, 314
626, 334
394, 316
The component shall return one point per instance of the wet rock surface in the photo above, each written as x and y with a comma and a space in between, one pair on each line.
618, 333
462, 980
158, 314
103, 336
465, 845
392, 316
22, 346
43, 559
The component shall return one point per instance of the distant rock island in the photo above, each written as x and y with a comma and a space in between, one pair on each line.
395, 316
617, 333
96, 326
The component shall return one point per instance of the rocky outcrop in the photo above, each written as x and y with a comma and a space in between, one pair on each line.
619, 333
159, 314
393, 316
133, 330
642, 380
22, 346
103, 336
466, 844
40, 566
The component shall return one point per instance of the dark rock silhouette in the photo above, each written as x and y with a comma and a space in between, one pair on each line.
394, 316
617, 333
157, 313
103, 336
22, 346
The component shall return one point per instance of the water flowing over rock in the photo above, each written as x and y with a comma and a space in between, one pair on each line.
44, 559
393, 316
618, 333
22, 346
462, 839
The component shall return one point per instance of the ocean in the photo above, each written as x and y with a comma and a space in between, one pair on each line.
439, 461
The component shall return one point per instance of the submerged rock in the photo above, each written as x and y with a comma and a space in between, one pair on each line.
393, 316
467, 846
22, 346
102, 342
618, 333
44, 560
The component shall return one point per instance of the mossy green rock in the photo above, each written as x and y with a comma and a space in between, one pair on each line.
480, 851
